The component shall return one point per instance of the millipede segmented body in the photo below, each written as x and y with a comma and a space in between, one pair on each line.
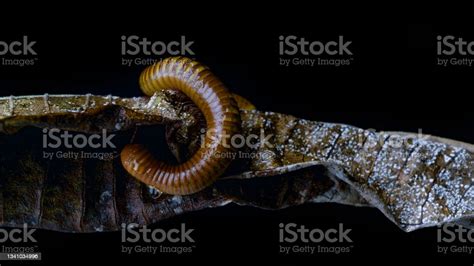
222, 118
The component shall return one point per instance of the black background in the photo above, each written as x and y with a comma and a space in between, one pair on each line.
393, 84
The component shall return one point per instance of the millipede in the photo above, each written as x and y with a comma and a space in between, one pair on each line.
221, 112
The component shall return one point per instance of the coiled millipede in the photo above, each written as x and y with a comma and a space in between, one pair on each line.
221, 112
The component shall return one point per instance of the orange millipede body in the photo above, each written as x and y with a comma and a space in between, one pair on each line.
222, 118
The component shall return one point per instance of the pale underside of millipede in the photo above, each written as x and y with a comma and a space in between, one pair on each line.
415, 181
